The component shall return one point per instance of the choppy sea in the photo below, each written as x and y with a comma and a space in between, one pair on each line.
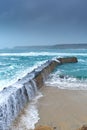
15, 64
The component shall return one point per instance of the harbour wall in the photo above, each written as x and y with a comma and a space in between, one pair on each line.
14, 98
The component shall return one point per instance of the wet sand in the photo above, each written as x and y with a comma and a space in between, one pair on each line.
62, 109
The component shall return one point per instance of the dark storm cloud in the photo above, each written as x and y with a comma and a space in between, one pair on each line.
43, 21
55, 10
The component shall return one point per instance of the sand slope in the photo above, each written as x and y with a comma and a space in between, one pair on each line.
63, 109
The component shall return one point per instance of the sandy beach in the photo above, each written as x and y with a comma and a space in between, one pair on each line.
62, 109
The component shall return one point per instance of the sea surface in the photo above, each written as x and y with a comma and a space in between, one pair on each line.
15, 64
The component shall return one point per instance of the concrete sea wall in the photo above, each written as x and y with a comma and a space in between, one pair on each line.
15, 97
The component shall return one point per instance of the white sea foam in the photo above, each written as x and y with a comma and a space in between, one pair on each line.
43, 54
29, 117
56, 59
66, 82
82, 61
29, 54
18, 75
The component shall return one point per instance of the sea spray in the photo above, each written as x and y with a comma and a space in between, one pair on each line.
14, 98
63, 81
19, 94
13, 101
29, 115
14, 66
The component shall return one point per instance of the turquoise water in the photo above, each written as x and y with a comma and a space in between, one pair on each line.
14, 64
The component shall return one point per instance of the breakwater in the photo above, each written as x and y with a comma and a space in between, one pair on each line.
14, 98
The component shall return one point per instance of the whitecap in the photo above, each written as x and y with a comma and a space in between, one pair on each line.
29, 117
66, 82
43, 54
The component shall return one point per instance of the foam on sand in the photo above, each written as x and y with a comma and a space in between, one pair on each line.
17, 96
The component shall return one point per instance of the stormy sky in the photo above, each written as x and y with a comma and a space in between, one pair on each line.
42, 22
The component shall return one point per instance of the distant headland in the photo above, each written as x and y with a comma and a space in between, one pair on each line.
57, 46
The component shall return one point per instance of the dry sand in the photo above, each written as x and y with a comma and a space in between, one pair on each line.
62, 109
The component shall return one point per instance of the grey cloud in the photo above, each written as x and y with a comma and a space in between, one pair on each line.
44, 14
38, 9
43, 21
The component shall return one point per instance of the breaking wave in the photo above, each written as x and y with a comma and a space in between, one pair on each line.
28, 117
43, 54
66, 82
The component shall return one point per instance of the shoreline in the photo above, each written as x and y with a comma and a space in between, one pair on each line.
17, 96
62, 109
